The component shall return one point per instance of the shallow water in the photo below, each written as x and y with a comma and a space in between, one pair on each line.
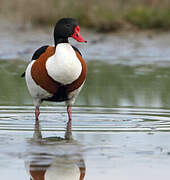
120, 143
121, 124
121, 119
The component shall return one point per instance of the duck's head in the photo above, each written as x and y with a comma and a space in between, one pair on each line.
65, 28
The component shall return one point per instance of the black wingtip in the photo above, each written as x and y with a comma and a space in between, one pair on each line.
23, 75
76, 49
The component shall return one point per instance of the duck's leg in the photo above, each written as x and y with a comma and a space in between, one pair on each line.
68, 134
37, 131
37, 112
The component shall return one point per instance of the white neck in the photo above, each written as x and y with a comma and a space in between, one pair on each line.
64, 66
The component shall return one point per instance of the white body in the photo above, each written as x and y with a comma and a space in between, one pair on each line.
59, 169
63, 67
62, 170
36, 91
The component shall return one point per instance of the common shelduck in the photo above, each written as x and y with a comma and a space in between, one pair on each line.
57, 73
42, 165
61, 168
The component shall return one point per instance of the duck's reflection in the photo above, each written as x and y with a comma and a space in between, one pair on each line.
54, 158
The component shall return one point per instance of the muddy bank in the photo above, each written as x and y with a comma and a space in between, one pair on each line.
18, 42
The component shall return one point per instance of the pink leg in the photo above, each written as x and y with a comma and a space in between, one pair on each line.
37, 112
37, 131
68, 134
69, 109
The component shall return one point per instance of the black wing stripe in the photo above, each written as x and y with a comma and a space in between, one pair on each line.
76, 50
36, 55
38, 52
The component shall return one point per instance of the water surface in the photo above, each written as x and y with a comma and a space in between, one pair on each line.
110, 142
121, 119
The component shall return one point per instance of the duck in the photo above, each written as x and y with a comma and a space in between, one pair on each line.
61, 168
57, 73
42, 165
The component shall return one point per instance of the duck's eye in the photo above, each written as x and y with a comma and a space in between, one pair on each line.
68, 25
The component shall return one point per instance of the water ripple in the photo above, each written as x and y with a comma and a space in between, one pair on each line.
86, 119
